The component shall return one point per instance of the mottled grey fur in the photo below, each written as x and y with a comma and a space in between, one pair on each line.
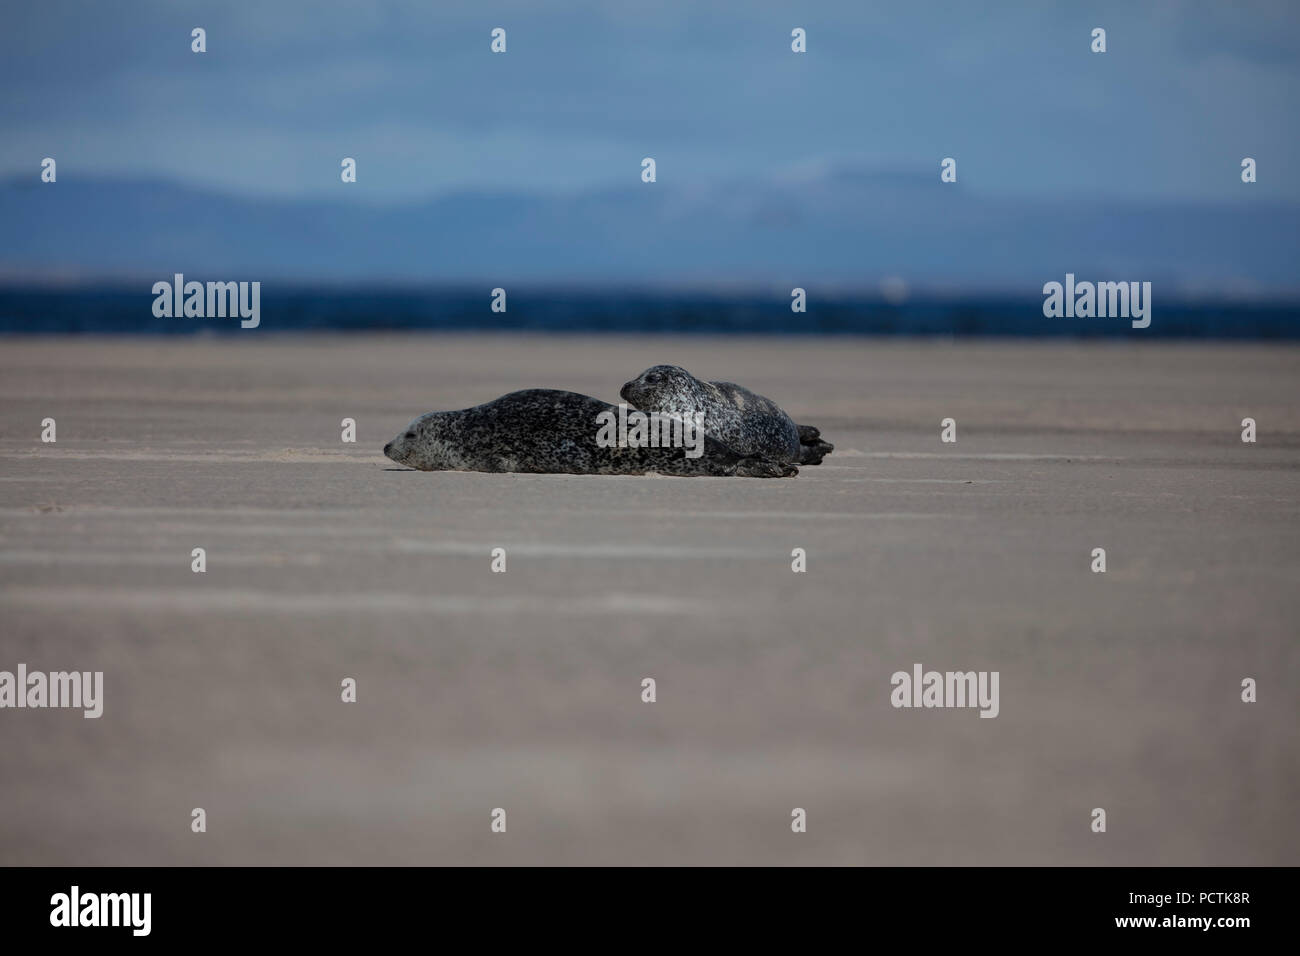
746, 423
544, 431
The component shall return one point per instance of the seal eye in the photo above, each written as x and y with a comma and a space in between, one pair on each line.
652, 379
410, 436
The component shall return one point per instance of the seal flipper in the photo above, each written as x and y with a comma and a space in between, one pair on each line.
813, 452
758, 467
719, 461
811, 448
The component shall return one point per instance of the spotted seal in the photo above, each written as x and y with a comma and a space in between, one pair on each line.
746, 423
544, 431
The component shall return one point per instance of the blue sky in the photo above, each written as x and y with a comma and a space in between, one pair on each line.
710, 89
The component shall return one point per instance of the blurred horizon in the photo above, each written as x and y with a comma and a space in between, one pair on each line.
848, 229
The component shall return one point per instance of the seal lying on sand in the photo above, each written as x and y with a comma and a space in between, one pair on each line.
746, 423
541, 430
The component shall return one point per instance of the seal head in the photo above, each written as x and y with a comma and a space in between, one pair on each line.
666, 388
423, 446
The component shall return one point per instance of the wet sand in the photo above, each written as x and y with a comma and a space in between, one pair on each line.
522, 690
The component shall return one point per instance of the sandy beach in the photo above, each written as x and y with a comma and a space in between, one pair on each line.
478, 690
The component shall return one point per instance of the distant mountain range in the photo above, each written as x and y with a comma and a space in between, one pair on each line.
844, 228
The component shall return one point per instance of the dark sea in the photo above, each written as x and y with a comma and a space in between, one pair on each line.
44, 311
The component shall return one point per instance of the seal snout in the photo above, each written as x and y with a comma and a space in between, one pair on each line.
401, 446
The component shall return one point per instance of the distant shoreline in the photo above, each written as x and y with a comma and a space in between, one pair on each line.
118, 310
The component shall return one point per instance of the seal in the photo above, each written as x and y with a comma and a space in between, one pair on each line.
544, 431
747, 423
